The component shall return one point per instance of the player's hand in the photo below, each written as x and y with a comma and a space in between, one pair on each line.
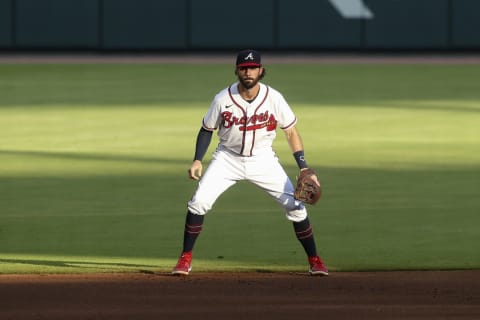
195, 171
314, 178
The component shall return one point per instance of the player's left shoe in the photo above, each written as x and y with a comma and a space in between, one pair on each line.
317, 267
184, 264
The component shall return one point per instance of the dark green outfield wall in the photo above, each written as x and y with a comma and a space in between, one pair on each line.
228, 24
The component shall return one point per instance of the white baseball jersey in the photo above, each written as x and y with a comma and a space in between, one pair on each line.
248, 128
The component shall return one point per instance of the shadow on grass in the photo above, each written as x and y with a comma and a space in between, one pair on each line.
131, 215
159, 84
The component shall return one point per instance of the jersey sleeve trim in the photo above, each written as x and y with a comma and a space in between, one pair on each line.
207, 128
290, 125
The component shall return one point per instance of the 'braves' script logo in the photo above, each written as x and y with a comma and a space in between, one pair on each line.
257, 121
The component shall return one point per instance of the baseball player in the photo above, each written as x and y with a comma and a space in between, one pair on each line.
246, 115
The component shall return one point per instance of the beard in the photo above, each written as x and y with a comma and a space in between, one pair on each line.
248, 83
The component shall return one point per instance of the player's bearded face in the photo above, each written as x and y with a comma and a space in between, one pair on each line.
249, 77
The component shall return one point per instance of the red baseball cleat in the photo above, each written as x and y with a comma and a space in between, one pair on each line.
184, 264
317, 267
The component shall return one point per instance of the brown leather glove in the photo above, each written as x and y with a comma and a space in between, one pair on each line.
307, 189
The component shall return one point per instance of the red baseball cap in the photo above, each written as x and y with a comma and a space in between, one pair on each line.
249, 58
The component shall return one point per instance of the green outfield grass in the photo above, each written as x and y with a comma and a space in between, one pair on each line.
93, 162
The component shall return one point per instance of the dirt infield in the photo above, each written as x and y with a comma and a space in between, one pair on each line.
343, 295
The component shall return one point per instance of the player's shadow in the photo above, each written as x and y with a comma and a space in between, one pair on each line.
77, 264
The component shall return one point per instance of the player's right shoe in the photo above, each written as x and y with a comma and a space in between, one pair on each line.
184, 264
317, 267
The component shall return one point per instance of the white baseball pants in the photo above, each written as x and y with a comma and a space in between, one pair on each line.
265, 171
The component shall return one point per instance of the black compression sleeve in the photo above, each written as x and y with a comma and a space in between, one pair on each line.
300, 159
203, 141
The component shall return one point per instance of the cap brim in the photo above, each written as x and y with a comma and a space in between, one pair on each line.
249, 64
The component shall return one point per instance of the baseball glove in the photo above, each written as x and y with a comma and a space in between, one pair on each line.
307, 189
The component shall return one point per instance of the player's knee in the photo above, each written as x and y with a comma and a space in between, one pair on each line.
297, 215
199, 208
295, 210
